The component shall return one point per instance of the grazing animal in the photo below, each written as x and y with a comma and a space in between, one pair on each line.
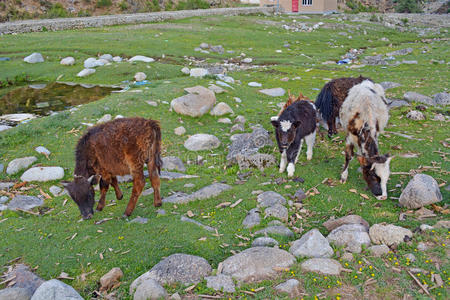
118, 147
331, 97
295, 122
364, 114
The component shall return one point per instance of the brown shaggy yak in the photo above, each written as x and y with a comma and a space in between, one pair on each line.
331, 97
118, 147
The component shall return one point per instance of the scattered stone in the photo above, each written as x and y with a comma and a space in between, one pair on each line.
388, 234
240, 119
15, 293
425, 227
91, 62
105, 118
277, 211
198, 72
221, 109
264, 242
216, 89
410, 257
206, 192
217, 49
378, 250
237, 127
442, 99
24, 278
415, 115
347, 256
257, 263
107, 57
55, 290
67, 61
275, 92
416, 97
277, 229
350, 219
247, 60
291, 287
161, 212
183, 268
252, 218
398, 103
258, 160
197, 102
17, 118
442, 224
3, 199
224, 121
34, 58
173, 163
42, 150
185, 219
179, 130
311, 244
186, 71
254, 84
25, 202
140, 76
421, 190
55, 190
86, 72
400, 52
201, 141
409, 62
325, 266
248, 144
6, 185
175, 296
221, 282
204, 45
141, 58
374, 60
152, 103
18, 164
1, 166
270, 198
117, 59
139, 220
110, 279
150, 290
421, 246
43, 174
439, 117
389, 85
352, 236
3, 128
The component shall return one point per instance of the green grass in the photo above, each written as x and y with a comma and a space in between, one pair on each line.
45, 242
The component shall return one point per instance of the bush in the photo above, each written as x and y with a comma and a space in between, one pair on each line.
123, 5
357, 7
56, 11
408, 6
84, 13
192, 4
153, 5
103, 3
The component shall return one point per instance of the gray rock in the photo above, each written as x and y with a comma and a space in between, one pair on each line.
425, 227
3, 207
374, 60
439, 117
197, 102
421, 190
398, 103
150, 290
224, 121
6, 185
299, 195
350, 219
422, 246
183, 268
254, 84
185, 219
206, 192
415, 115
117, 59
277, 211
17, 118
3, 128
416, 97
139, 220
378, 250
107, 57
142, 59
15, 293
311, 244
252, 218
179, 130
201, 141
43, 174
277, 229
198, 72
186, 71
264, 242
216, 89
217, 49
270, 198
275, 92
409, 62
388, 234
442, 99
400, 52
175, 296
67, 61
257, 263
164, 175
161, 212
411, 257
25, 202
291, 287
389, 85
86, 72
105, 118
18, 164
140, 76
55, 190
347, 256
55, 290
34, 58
237, 127
173, 163
248, 144
351, 236
247, 60
24, 278
204, 45
326, 266
240, 119
221, 283
3, 199
42, 150
221, 109
258, 160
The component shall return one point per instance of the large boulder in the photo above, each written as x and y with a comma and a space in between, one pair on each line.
197, 102
202, 141
55, 290
43, 174
331, 224
389, 234
15, 293
257, 263
421, 190
311, 244
270, 198
25, 202
182, 268
416, 97
23, 278
18, 164
252, 218
248, 143
351, 236
325, 266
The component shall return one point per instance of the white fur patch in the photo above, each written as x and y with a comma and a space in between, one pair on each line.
275, 118
290, 169
285, 125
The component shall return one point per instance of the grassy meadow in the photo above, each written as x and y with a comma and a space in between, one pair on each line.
48, 242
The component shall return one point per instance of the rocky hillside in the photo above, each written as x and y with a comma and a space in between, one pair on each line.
426, 6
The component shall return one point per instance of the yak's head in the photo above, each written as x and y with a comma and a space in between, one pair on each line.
285, 132
82, 192
376, 173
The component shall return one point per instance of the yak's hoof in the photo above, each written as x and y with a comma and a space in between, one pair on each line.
125, 216
157, 204
120, 197
99, 208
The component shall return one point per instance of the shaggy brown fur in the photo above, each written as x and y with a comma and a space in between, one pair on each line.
119, 147
291, 100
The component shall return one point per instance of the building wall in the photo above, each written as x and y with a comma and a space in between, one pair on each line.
318, 6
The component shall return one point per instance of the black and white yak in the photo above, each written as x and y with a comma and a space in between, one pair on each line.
363, 115
330, 99
295, 122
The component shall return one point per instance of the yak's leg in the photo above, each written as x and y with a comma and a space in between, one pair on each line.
138, 186
283, 161
153, 175
299, 150
331, 126
292, 153
348, 157
310, 140
104, 185
115, 184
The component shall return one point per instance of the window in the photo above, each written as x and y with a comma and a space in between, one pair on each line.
306, 2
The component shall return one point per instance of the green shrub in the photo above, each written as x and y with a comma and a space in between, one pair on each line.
192, 4
357, 7
408, 6
123, 5
103, 3
169, 5
153, 5
56, 11
84, 13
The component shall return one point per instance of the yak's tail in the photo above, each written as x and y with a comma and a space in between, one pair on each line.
157, 147
324, 102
